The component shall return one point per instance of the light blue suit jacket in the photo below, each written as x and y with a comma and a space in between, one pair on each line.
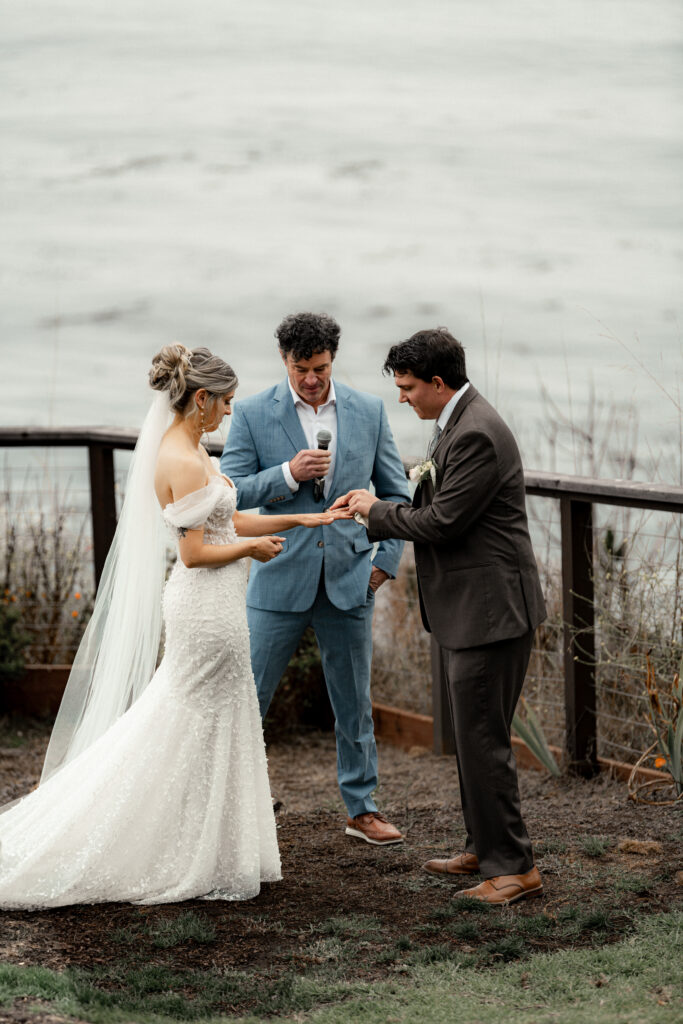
265, 432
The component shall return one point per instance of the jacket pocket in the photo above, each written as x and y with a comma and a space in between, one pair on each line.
361, 542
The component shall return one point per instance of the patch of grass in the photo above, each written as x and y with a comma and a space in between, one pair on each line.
467, 930
403, 943
416, 884
466, 905
622, 983
594, 846
328, 950
128, 936
573, 921
353, 924
509, 947
186, 927
433, 954
157, 995
445, 912
637, 884
167, 932
550, 847
536, 926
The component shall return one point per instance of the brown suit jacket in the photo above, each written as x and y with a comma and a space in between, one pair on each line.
476, 570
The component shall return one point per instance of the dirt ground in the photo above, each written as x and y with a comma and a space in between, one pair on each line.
327, 875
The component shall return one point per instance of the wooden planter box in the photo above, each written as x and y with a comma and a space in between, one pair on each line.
38, 692
407, 729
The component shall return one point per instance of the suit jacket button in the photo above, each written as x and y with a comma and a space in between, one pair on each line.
321, 543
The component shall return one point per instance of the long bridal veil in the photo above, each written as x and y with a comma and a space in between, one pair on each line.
118, 653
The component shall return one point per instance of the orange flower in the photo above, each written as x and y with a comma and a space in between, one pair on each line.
7, 593
74, 615
660, 762
13, 598
77, 595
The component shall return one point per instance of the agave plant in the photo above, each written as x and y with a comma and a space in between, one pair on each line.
531, 731
666, 752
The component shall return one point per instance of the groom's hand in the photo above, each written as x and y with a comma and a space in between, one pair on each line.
310, 463
377, 578
357, 501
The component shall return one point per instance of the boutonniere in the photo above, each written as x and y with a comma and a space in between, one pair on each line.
423, 470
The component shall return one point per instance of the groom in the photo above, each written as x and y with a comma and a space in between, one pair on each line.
325, 578
480, 597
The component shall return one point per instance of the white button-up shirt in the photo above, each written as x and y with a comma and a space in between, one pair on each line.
311, 422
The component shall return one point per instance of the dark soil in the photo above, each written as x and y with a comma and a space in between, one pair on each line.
336, 886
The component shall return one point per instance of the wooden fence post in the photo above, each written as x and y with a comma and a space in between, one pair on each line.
579, 635
102, 503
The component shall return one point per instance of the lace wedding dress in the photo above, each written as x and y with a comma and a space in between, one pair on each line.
172, 802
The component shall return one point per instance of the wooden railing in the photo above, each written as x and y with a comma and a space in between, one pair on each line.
576, 496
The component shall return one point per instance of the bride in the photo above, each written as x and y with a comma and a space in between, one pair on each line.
155, 787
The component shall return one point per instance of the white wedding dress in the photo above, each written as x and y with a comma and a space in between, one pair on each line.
172, 802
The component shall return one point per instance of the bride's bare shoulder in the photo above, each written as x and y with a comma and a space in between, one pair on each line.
178, 472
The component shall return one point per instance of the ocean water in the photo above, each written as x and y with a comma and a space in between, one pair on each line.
194, 173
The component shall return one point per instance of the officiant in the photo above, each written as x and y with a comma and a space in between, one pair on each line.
328, 578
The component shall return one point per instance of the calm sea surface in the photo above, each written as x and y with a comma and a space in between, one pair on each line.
512, 171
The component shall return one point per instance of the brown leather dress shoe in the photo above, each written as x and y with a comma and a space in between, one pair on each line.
506, 889
374, 828
462, 864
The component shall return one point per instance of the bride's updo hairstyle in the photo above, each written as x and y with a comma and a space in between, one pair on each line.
182, 372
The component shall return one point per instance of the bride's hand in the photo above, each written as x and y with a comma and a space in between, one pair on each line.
265, 548
312, 519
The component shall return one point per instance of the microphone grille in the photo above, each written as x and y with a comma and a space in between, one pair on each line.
323, 435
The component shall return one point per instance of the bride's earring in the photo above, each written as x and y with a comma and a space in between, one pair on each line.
201, 420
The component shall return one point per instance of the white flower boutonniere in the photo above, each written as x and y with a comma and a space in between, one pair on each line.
423, 470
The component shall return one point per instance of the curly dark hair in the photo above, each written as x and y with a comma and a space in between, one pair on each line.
427, 354
306, 334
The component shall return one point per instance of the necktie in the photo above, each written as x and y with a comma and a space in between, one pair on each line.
434, 440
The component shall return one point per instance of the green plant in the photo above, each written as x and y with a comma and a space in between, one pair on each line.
432, 954
166, 932
594, 846
509, 947
550, 847
464, 930
13, 643
531, 731
352, 924
667, 750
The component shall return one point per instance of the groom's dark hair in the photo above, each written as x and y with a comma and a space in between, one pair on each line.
307, 334
427, 354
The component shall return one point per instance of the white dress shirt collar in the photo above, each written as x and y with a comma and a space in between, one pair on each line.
450, 405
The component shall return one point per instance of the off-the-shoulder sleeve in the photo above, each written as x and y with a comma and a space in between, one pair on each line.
192, 511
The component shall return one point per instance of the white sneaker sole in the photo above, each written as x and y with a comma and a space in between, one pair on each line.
357, 834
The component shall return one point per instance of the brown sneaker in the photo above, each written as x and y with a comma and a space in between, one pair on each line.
374, 828
506, 889
462, 864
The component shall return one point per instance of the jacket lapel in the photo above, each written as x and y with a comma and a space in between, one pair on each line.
344, 419
287, 415
470, 394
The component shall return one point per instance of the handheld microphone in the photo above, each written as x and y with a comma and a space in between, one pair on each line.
323, 437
